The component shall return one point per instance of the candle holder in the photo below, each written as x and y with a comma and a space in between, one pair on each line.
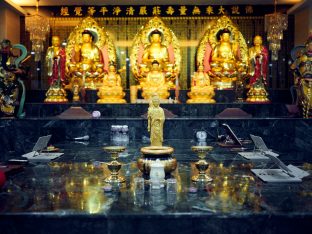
202, 165
114, 166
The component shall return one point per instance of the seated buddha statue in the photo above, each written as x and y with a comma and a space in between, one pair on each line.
225, 61
156, 51
155, 83
111, 90
201, 89
224, 53
155, 42
87, 60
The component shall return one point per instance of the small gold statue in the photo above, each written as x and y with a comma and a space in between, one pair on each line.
258, 67
156, 119
56, 66
201, 89
111, 91
155, 83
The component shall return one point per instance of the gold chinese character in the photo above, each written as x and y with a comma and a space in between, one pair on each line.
170, 10
103, 10
221, 10
183, 10
130, 11
156, 10
143, 10
249, 9
116, 10
196, 11
78, 11
235, 10
91, 11
209, 10
64, 11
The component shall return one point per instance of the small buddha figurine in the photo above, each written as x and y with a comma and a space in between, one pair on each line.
111, 90
156, 119
87, 60
155, 83
225, 60
201, 89
258, 67
55, 63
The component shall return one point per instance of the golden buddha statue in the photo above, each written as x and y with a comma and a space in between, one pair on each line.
89, 52
223, 52
87, 60
111, 90
156, 51
155, 42
156, 119
258, 67
201, 89
155, 83
56, 66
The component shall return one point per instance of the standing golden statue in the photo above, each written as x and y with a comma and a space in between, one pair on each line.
156, 151
155, 43
224, 53
201, 89
156, 119
258, 69
304, 71
56, 66
111, 90
88, 53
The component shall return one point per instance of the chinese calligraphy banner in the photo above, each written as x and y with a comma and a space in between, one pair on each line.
164, 11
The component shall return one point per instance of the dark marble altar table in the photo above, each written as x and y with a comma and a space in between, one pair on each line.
66, 196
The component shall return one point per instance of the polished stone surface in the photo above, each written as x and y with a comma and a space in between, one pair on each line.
66, 196
18, 136
43, 110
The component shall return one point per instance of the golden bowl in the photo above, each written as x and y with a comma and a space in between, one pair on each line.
151, 153
114, 149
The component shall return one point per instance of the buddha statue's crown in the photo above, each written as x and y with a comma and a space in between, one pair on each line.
222, 31
87, 32
156, 31
155, 62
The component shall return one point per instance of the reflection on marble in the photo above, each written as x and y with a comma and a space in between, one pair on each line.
67, 195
